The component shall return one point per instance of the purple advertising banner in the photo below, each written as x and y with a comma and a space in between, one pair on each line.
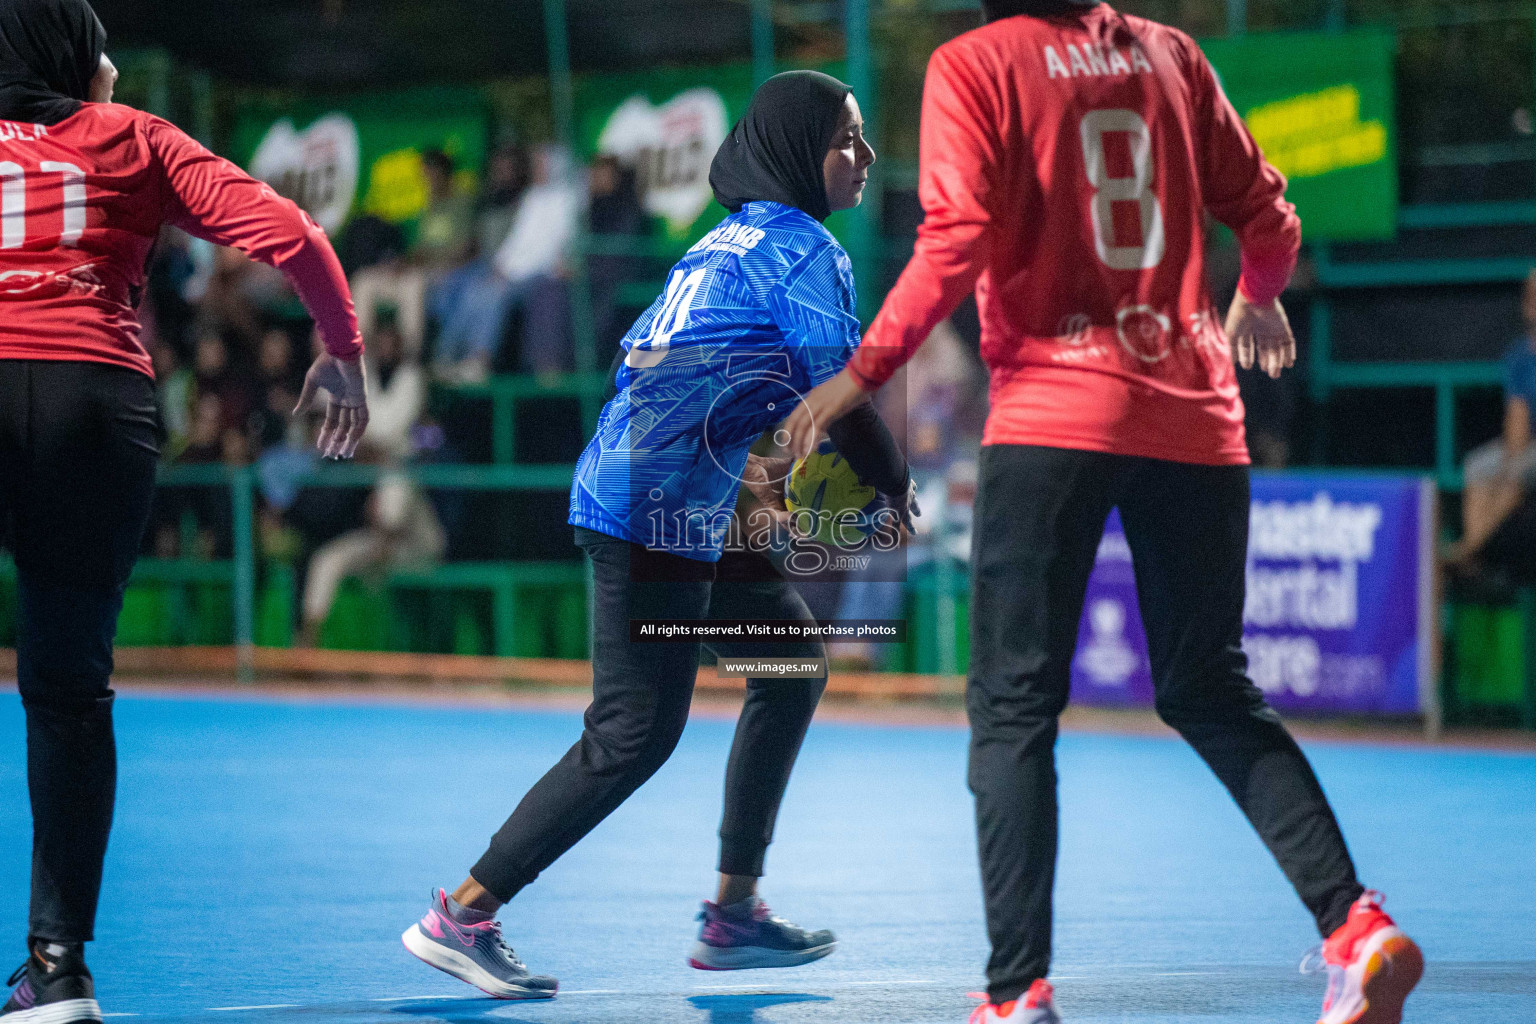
1339, 609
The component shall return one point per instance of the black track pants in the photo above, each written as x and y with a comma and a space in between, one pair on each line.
78, 447
1039, 518
640, 698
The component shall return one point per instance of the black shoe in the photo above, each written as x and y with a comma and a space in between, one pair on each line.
53, 987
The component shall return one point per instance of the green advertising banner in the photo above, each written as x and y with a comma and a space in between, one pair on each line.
667, 123
1322, 107
362, 154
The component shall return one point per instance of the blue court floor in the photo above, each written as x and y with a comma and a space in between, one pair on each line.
269, 852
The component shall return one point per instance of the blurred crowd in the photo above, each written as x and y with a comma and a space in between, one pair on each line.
481, 285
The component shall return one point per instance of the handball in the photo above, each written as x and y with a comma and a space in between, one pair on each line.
828, 501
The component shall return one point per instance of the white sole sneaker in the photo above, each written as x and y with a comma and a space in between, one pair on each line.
70, 1011
1379, 980
456, 964
704, 957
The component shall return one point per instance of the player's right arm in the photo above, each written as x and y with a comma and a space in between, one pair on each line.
1247, 193
960, 161
961, 152
210, 198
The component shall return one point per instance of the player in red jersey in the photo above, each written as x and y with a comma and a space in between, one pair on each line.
84, 189
1069, 156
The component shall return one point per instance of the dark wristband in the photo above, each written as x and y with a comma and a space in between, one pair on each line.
862, 438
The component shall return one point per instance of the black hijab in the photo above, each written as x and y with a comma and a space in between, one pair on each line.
49, 52
992, 10
776, 151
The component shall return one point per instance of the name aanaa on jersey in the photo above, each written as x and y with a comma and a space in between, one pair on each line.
1090, 60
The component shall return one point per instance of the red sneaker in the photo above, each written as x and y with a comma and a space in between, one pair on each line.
1372, 966
1035, 1008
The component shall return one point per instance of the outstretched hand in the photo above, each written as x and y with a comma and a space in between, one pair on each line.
824, 406
346, 410
1261, 334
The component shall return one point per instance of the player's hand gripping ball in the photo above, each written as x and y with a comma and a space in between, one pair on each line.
828, 502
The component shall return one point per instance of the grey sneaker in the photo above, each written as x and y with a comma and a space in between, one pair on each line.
747, 935
474, 953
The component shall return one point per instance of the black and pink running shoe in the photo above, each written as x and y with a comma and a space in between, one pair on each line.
53, 987
474, 953
747, 934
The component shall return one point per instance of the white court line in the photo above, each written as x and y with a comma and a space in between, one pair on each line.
264, 1006
403, 999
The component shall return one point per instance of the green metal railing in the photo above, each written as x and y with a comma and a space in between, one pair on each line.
241, 481
507, 391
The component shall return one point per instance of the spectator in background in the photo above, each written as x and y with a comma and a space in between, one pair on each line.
217, 375
389, 280
230, 297
175, 389
397, 395
615, 214
444, 234
401, 531
173, 286
528, 271
275, 390
204, 510
204, 441
506, 177
385, 283
1500, 473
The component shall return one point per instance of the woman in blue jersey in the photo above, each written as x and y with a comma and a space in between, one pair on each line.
757, 314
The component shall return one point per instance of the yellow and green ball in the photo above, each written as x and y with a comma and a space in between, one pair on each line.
823, 491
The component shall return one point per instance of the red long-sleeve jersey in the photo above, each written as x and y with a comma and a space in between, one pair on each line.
81, 203
1066, 166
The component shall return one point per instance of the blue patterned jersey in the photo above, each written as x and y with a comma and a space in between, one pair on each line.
757, 314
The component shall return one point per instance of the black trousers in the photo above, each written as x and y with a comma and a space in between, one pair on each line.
1039, 518
78, 446
640, 698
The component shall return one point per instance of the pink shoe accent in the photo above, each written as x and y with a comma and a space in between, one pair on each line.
1040, 995
438, 920
723, 932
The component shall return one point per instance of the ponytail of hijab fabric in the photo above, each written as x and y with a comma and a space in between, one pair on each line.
776, 151
49, 52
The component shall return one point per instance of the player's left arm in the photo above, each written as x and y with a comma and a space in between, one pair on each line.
210, 198
1247, 193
